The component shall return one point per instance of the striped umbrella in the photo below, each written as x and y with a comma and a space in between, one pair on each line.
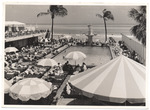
7, 86
30, 88
11, 49
120, 80
47, 62
75, 55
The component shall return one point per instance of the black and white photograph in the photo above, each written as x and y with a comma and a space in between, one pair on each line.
74, 55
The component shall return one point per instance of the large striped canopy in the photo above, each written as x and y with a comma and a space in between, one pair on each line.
30, 88
120, 80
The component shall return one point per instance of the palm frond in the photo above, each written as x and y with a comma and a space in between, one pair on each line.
61, 12
58, 10
135, 14
99, 15
134, 30
139, 32
104, 11
111, 17
42, 13
52, 8
139, 35
108, 15
143, 9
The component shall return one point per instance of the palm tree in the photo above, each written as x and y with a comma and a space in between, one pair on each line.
139, 30
107, 15
54, 10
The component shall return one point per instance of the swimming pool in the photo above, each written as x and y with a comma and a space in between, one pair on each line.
95, 55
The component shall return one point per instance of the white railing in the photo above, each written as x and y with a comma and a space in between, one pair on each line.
10, 39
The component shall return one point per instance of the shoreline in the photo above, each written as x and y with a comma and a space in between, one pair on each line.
100, 37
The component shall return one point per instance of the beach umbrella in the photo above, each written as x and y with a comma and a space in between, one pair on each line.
75, 55
30, 88
7, 86
11, 49
120, 80
47, 62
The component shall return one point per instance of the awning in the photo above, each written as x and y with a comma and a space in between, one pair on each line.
14, 23
120, 80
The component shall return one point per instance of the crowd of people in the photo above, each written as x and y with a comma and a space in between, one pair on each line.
18, 63
73, 69
34, 53
121, 49
23, 63
129, 53
23, 32
16, 69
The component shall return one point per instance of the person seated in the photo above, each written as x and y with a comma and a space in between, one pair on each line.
77, 68
56, 72
65, 66
70, 69
52, 72
133, 54
17, 55
60, 70
29, 70
14, 65
83, 67
31, 57
7, 67
136, 58
17, 78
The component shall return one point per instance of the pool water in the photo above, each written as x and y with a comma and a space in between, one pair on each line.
95, 55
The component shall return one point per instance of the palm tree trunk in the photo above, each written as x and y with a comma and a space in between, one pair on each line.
105, 30
52, 30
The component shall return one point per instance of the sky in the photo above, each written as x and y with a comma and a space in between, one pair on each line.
77, 14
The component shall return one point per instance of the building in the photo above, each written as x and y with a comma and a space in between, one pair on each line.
18, 36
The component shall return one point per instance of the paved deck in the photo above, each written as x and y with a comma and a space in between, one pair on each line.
60, 90
112, 53
78, 101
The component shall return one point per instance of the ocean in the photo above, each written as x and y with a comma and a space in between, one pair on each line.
81, 30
